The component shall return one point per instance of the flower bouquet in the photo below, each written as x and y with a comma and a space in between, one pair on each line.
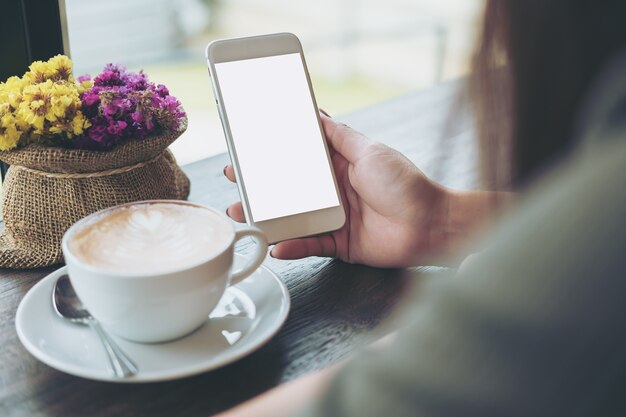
79, 146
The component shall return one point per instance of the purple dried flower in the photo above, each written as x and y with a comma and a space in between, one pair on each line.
97, 133
137, 81
116, 128
124, 106
114, 68
90, 97
162, 90
108, 78
137, 117
116, 106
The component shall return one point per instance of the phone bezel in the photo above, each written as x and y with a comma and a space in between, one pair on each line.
288, 227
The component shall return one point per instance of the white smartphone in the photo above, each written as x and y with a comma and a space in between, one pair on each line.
275, 138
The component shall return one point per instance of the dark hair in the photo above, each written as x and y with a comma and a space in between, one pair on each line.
533, 67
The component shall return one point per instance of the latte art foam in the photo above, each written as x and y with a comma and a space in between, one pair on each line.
150, 237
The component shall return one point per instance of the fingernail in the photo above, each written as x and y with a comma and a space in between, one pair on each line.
227, 211
224, 171
326, 114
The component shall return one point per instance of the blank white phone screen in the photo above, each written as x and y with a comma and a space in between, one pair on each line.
276, 136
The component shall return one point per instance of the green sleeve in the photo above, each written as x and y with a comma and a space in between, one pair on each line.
535, 327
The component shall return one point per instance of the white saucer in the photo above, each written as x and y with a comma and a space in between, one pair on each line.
248, 315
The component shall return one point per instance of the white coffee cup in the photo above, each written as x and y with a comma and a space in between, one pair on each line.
145, 271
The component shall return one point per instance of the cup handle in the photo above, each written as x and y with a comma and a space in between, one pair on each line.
257, 257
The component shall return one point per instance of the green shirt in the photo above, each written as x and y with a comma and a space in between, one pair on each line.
536, 326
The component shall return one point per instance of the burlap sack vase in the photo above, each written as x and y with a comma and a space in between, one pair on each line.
47, 189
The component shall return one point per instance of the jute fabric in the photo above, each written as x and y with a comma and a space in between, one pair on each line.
47, 189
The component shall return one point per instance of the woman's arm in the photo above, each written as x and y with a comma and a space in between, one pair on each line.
287, 399
461, 216
297, 395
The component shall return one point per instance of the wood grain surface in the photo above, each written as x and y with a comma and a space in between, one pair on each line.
336, 307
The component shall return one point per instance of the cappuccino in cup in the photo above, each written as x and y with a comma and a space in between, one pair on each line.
153, 271
150, 237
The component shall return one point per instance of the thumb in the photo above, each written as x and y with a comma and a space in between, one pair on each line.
323, 245
351, 144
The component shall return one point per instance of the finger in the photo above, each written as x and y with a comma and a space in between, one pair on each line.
323, 113
301, 248
348, 142
235, 212
229, 172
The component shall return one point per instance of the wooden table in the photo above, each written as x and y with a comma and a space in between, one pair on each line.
334, 306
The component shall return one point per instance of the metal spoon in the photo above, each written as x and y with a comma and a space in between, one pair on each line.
67, 305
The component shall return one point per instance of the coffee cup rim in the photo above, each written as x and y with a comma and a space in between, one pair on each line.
67, 253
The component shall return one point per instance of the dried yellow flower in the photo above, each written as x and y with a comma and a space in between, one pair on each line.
42, 105
9, 134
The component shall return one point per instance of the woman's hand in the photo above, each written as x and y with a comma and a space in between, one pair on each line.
391, 207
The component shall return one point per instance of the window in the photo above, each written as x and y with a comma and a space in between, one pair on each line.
359, 52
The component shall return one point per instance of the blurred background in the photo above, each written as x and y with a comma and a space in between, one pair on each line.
359, 52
